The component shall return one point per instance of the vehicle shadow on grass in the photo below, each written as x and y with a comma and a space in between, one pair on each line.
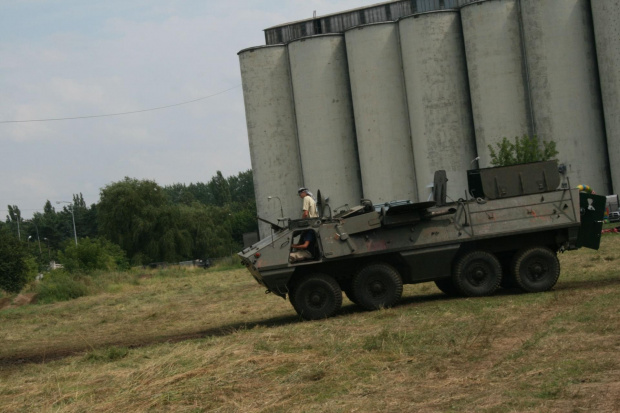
351, 308
226, 330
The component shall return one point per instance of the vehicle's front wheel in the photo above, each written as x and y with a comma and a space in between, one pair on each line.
536, 269
477, 273
316, 296
377, 286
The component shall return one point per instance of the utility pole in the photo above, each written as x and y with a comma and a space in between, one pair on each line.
72, 216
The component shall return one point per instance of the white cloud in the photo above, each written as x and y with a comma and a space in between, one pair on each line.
76, 58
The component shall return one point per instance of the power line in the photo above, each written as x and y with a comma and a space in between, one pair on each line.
35, 209
120, 113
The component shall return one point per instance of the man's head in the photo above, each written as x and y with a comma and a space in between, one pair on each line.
302, 192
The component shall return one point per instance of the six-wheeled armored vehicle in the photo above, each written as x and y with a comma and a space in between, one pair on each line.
507, 231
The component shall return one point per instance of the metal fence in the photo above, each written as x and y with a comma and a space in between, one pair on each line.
340, 22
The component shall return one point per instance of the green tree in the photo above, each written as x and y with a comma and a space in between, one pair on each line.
523, 150
85, 217
50, 226
93, 254
180, 194
14, 219
15, 263
200, 222
242, 187
220, 189
127, 214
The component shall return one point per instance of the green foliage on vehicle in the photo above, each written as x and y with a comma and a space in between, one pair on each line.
523, 150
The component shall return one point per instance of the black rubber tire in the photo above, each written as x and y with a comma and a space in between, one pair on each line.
291, 298
477, 274
536, 269
377, 286
446, 286
316, 296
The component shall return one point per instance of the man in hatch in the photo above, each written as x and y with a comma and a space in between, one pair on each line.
309, 205
303, 250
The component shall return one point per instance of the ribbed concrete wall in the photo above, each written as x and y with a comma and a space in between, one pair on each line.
497, 82
438, 96
606, 15
325, 121
272, 133
381, 115
559, 46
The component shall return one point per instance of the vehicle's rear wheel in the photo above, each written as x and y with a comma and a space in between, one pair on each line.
446, 285
377, 286
316, 296
477, 273
536, 269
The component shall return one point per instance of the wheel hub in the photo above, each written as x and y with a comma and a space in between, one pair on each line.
377, 288
477, 275
536, 271
316, 299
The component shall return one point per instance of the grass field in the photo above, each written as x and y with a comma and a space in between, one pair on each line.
194, 341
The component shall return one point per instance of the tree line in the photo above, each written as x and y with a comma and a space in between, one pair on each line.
149, 222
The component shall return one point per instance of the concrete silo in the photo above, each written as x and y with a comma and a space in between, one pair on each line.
381, 115
564, 87
272, 131
495, 65
606, 16
438, 96
325, 124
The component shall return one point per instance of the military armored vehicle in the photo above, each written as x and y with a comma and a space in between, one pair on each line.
507, 231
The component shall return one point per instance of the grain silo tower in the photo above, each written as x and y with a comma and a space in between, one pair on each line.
438, 96
325, 125
497, 76
381, 114
272, 132
606, 15
563, 79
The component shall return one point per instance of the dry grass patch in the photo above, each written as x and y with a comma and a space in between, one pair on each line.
218, 344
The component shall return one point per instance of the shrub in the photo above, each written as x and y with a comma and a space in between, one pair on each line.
15, 263
60, 286
93, 254
524, 150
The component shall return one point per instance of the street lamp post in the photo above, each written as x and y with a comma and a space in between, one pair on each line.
280, 201
49, 254
38, 238
231, 233
72, 216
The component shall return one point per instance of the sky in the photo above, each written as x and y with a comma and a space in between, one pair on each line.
77, 58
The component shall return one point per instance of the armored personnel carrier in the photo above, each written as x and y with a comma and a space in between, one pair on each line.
507, 231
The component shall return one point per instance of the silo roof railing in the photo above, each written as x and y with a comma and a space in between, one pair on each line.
340, 22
